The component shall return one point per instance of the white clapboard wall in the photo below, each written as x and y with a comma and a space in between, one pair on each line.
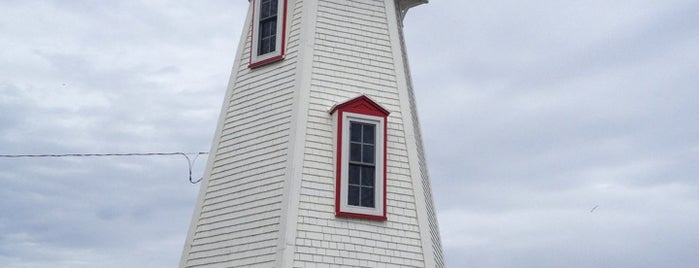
268, 195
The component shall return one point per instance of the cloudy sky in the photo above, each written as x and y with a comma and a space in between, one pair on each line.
559, 133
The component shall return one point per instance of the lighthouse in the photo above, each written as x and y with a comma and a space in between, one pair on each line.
317, 159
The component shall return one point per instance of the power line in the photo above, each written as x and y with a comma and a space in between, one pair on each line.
190, 162
99, 154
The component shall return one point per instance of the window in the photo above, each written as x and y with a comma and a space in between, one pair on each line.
362, 164
360, 160
268, 32
268, 27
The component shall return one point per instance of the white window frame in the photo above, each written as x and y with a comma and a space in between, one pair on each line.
379, 179
278, 53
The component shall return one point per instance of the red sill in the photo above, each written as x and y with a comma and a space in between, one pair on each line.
361, 216
265, 62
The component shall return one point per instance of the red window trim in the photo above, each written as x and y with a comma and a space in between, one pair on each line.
282, 48
364, 106
266, 61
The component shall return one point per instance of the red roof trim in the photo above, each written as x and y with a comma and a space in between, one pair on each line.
362, 105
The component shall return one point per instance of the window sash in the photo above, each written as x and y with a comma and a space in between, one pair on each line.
362, 189
361, 170
267, 27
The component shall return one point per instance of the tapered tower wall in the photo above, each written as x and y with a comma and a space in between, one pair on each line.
269, 193
238, 216
353, 55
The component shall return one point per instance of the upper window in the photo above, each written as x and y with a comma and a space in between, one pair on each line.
361, 159
268, 31
267, 27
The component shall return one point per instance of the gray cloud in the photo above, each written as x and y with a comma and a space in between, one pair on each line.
107, 77
533, 114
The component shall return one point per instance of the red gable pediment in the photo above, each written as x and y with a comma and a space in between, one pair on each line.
361, 105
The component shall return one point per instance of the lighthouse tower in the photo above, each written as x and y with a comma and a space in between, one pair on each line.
317, 160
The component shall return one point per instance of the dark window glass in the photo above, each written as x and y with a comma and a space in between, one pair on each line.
268, 9
368, 134
367, 197
354, 174
368, 176
355, 132
356, 152
368, 154
273, 7
353, 195
267, 38
265, 8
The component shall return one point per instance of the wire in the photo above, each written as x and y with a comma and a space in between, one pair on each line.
98, 154
190, 162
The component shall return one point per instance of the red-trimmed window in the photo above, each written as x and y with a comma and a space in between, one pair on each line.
360, 187
268, 32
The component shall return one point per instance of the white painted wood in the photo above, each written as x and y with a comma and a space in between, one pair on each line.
423, 194
214, 148
268, 197
239, 212
304, 32
352, 60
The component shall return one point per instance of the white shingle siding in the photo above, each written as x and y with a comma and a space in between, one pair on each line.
429, 200
269, 196
353, 56
237, 221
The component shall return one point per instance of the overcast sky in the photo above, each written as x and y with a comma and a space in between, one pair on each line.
558, 133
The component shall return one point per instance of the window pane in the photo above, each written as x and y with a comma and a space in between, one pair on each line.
355, 152
367, 197
354, 174
368, 176
353, 195
368, 154
355, 132
271, 43
264, 44
265, 8
268, 8
267, 38
274, 6
368, 134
